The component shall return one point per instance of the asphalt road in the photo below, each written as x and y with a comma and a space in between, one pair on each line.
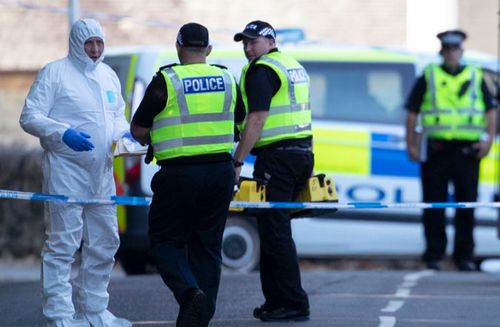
338, 298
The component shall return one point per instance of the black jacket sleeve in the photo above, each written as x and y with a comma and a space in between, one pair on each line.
416, 96
155, 99
261, 84
489, 100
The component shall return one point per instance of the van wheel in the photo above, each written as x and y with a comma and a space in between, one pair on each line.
240, 245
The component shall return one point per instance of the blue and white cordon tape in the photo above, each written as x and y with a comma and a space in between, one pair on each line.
144, 201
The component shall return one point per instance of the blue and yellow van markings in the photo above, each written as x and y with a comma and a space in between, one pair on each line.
342, 152
389, 157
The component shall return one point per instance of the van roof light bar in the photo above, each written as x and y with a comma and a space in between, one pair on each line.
288, 35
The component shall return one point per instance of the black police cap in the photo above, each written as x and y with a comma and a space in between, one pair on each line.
193, 35
256, 29
452, 37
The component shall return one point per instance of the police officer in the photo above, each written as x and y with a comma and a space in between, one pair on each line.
458, 117
275, 89
188, 117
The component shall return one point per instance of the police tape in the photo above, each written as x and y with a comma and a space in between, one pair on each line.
145, 201
125, 200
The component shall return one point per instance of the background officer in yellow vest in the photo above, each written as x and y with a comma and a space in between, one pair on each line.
188, 116
458, 117
275, 89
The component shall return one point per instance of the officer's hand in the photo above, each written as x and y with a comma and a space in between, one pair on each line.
237, 173
127, 135
77, 140
482, 148
413, 153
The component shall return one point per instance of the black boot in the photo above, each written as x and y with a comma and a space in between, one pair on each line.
193, 311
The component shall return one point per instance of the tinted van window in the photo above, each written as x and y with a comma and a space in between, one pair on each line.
491, 78
121, 66
360, 92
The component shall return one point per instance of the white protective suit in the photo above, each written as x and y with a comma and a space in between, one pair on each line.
76, 92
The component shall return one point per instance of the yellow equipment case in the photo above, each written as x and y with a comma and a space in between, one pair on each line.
318, 188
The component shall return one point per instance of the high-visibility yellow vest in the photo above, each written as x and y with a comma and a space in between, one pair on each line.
290, 111
453, 107
199, 115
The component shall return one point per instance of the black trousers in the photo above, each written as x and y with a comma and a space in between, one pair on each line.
286, 172
186, 223
449, 162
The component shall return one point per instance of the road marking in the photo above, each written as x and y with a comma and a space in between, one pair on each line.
387, 321
393, 306
416, 276
403, 291
409, 283
152, 322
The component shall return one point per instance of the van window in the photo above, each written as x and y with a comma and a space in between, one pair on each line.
360, 92
491, 79
121, 65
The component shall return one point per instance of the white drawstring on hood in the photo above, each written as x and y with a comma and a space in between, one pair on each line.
81, 31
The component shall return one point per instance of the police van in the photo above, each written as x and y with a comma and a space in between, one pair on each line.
357, 99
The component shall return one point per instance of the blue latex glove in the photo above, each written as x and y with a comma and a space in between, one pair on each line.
77, 140
129, 136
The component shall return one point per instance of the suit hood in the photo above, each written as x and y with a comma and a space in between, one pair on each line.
81, 31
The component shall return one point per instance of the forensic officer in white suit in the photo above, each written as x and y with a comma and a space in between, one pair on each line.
76, 110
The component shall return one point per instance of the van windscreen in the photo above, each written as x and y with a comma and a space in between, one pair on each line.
360, 92
121, 65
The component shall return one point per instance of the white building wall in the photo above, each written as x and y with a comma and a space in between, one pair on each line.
426, 18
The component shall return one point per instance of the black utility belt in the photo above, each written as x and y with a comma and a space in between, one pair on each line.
457, 143
300, 145
195, 160
464, 147
293, 148
295, 145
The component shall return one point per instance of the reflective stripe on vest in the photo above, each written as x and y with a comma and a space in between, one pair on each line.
446, 114
181, 133
297, 110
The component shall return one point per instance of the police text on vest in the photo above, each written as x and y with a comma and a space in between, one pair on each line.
298, 75
203, 84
